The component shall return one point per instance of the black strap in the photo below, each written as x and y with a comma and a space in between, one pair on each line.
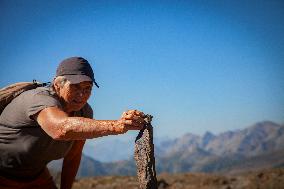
41, 84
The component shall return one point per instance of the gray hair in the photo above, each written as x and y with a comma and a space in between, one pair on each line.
61, 80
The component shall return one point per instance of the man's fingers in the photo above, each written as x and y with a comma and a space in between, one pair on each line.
135, 118
135, 112
127, 122
139, 113
133, 125
124, 114
139, 120
142, 114
130, 116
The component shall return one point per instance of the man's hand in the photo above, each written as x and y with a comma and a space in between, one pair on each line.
134, 119
130, 120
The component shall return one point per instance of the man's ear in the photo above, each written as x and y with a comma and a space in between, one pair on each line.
56, 85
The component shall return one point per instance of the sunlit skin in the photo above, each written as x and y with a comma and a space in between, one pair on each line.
60, 125
74, 96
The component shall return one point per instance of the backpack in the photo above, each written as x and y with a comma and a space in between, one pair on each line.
8, 93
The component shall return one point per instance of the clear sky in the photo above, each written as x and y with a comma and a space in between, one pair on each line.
194, 65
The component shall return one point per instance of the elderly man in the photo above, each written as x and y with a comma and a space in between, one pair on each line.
49, 123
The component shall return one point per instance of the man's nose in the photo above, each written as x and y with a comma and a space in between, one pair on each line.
81, 94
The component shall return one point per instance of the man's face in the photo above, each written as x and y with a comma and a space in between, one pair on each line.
75, 96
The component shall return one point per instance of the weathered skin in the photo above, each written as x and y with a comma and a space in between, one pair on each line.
59, 126
144, 156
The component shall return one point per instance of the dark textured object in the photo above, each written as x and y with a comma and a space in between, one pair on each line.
144, 156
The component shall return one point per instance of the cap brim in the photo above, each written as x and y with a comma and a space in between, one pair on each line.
74, 79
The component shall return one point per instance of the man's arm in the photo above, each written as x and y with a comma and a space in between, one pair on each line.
57, 124
71, 164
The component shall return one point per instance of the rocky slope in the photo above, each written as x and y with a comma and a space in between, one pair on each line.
264, 179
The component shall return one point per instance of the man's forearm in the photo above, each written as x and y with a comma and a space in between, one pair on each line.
79, 128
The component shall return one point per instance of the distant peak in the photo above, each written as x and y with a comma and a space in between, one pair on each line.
207, 137
265, 124
189, 135
208, 134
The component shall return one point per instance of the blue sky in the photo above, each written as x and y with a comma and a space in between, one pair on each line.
194, 65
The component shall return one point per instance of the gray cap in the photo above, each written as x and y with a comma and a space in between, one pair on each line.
76, 70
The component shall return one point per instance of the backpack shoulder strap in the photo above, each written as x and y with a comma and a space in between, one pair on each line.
7, 94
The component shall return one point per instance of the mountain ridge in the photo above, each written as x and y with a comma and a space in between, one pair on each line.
226, 151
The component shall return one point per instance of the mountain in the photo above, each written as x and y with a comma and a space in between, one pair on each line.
259, 138
226, 151
89, 166
258, 146
103, 149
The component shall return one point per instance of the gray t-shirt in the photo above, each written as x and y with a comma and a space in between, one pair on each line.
25, 148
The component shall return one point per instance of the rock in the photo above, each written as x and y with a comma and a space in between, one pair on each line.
144, 157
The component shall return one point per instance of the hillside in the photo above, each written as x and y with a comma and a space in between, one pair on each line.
264, 179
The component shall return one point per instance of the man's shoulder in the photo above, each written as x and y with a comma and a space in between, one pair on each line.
45, 91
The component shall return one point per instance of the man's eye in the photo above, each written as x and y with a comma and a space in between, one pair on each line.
89, 88
79, 88
75, 87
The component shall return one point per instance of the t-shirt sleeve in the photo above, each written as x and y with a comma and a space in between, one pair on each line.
39, 102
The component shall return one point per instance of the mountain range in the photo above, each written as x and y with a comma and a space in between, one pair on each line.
258, 146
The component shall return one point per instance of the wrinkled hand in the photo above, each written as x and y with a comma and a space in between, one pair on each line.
131, 120
134, 119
